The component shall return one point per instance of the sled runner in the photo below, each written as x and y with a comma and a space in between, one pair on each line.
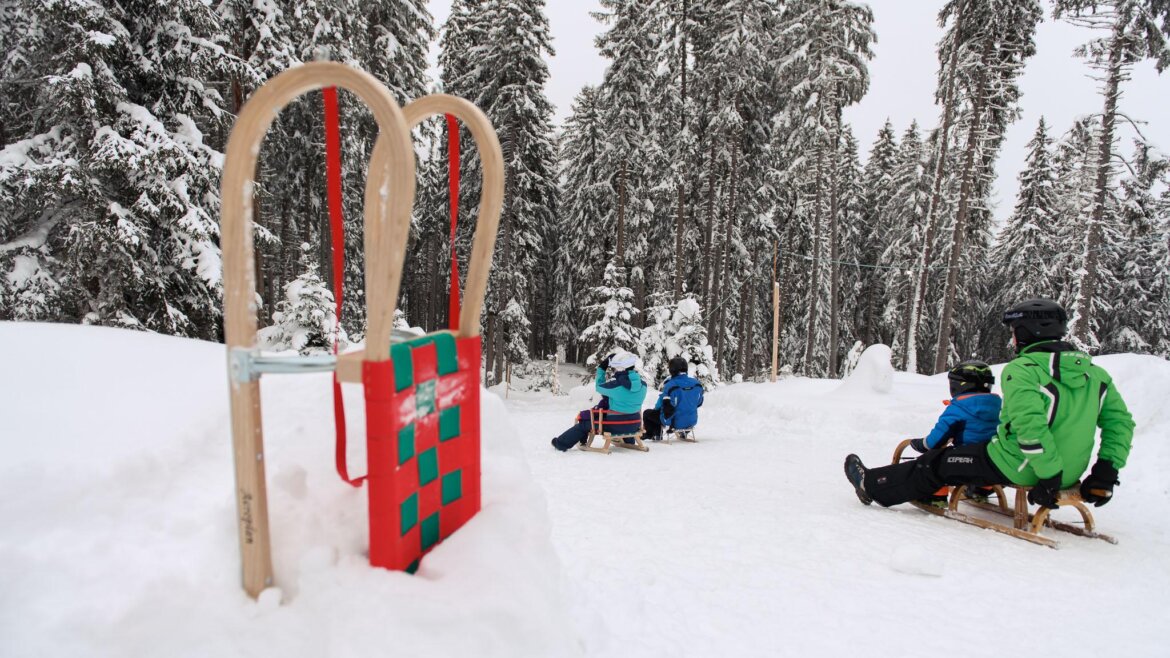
604, 434
687, 435
422, 396
1023, 525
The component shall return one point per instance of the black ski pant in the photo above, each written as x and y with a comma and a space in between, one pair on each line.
917, 479
652, 424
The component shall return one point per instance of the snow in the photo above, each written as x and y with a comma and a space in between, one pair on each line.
117, 533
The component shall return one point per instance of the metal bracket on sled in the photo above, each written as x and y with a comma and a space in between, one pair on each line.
248, 364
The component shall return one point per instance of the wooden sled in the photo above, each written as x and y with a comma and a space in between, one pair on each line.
687, 435
1024, 524
601, 440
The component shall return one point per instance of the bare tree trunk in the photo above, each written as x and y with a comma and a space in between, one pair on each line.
960, 228
813, 290
708, 236
918, 294
1083, 317
620, 251
747, 344
680, 217
834, 250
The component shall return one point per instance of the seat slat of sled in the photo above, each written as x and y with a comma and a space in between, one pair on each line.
619, 440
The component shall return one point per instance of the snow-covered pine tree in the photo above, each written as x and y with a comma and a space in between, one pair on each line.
306, 319
626, 99
1130, 33
512, 63
827, 43
1137, 321
690, 341
106, 163
1027, 244
877, 191
613, 314
904, 221
999, 40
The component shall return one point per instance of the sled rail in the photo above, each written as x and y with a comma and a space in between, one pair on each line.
1024, 524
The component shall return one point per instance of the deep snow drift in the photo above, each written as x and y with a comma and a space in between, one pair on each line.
118, 533
117, 527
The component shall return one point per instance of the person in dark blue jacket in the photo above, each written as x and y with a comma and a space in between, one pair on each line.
622, 399
971, 415
678, 403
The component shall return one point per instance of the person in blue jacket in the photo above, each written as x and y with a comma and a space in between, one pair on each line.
622, 399
971, 415
678, 403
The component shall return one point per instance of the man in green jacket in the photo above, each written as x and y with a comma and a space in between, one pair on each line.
1055, 399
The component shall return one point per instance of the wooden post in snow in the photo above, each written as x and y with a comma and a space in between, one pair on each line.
775, 326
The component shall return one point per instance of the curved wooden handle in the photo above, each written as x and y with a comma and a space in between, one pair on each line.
392, 243
393, 178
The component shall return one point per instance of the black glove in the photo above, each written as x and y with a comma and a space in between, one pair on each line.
919, 445
1045, 491
604, 365
1098, 487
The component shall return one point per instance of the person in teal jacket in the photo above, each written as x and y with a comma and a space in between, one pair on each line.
1054, 401
621, 401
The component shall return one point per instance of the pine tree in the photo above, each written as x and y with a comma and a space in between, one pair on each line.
305, 320
1133, 35
877, 185
111, 165
1001, 40
690, 341
613, 315
1027, 245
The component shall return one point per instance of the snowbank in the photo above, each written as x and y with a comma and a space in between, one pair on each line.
117, 519
873, 374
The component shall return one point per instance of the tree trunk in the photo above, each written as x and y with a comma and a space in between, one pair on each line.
959, 233
708, 237
620, 251
1083, 317
834, 250
680, 217
815, 279
918, 294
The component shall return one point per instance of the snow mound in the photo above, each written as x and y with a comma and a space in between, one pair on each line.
873, 374
118, 533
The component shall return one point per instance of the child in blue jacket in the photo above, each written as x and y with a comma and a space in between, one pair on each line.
622, 396
971, 415
678, 403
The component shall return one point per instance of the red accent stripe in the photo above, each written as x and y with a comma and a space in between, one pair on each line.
337, 231
453, 188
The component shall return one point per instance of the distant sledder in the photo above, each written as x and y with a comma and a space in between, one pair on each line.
1055, 398
678, 404
619, 412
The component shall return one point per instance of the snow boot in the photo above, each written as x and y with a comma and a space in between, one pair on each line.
554, 444
855, 472
937, 499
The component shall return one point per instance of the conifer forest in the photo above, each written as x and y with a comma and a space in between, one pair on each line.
708, 176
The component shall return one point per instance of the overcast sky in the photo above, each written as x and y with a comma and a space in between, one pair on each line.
902, 80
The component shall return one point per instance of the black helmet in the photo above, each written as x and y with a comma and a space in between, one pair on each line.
1035, 320
970, 377
679, 366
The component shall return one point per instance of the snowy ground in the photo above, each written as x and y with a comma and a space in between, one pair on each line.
117, 533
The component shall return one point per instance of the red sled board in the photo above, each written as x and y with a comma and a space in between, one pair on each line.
423, 447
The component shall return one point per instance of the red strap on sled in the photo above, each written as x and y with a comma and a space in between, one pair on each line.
453, 188
337, 231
